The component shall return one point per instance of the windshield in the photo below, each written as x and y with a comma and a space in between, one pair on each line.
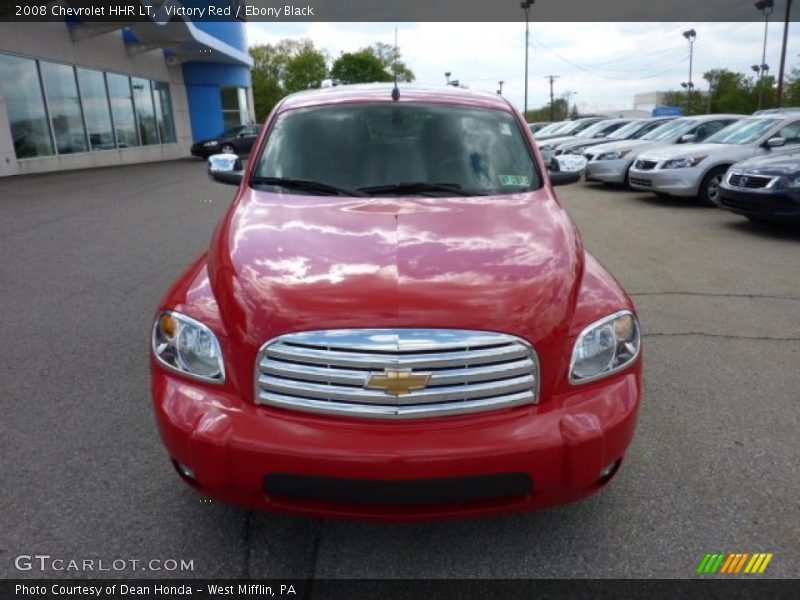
743, 132
593, 130
627, 131
554, 127
670, 130
362, 146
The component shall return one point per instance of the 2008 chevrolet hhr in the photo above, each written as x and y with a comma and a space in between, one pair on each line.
395, 319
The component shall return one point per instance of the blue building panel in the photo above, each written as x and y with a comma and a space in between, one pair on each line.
205, 111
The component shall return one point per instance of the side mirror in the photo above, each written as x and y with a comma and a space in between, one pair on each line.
687, 138
776, 142
225, 168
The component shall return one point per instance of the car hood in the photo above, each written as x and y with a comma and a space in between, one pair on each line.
556, 141
722, 151
582, 143
624, 145
788, 164
285, 263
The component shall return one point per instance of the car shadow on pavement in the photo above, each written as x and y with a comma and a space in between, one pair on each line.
774, 231
672, 201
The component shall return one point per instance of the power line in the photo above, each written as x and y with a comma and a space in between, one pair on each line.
591, 71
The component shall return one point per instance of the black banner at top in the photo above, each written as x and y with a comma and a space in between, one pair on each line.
391, 10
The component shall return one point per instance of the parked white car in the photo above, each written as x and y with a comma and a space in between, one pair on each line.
697, 170
610, 163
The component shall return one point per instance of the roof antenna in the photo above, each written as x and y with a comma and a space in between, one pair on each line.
395, 89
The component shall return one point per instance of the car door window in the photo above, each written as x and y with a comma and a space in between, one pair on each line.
708, 128
791, 133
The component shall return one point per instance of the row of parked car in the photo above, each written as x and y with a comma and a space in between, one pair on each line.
749, 165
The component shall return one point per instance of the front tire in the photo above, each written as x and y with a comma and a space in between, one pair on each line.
709, 188
227, 149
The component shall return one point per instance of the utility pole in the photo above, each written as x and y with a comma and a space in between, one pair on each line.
765, 7
552, 78
691, 36
783, 52
526, 6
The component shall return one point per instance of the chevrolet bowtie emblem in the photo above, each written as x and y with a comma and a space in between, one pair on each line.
397, 382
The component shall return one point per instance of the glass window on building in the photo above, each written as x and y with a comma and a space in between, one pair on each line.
234, 107
22, 90
119, 93
145, 111
96, 111
64, 106
163, 100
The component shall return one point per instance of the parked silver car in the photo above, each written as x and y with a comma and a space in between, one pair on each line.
568, 128
597, 131
632, 131
610, 163
696, 170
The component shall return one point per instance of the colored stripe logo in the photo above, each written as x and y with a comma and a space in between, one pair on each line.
734, 563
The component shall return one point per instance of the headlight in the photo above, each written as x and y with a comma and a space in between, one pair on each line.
788, 183
211, 143
682, 163
188, 347
615, 155
605, 347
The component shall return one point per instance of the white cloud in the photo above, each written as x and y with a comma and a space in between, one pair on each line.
605, 63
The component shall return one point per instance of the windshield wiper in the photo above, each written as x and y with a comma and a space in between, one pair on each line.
307, 185
414, 187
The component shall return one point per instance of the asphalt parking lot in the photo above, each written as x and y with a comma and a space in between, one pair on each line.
85, 257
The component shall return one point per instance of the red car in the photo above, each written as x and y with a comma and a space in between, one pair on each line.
396, 319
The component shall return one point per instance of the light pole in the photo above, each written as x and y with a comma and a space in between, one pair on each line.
500, 89
760, 70
691, 36
526, 6
447, 77
765, 7
783, 53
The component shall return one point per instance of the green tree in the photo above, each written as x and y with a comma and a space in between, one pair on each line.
279, 69
791, 88
560, 112
359, 67
391, 60
304, 71
731, 92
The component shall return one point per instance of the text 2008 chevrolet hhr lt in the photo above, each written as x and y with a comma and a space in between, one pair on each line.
395, 319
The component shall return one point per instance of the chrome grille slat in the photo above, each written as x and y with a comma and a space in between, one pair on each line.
321, 391
390, 411
401, 361
359, 377
327, 372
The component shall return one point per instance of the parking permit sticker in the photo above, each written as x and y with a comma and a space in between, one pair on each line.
505, 129
515, 180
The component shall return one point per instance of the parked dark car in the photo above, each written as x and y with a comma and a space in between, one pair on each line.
764, 189
238, 140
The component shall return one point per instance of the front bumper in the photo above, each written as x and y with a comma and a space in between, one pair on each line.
760, 203
675, 182
607, 171
250, 455
202, 151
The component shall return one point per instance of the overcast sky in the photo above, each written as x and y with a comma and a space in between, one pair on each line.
605, 63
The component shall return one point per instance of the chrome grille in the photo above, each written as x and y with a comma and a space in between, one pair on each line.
328, 372
749, 181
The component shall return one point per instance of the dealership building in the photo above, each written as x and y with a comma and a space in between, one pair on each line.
76, 94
